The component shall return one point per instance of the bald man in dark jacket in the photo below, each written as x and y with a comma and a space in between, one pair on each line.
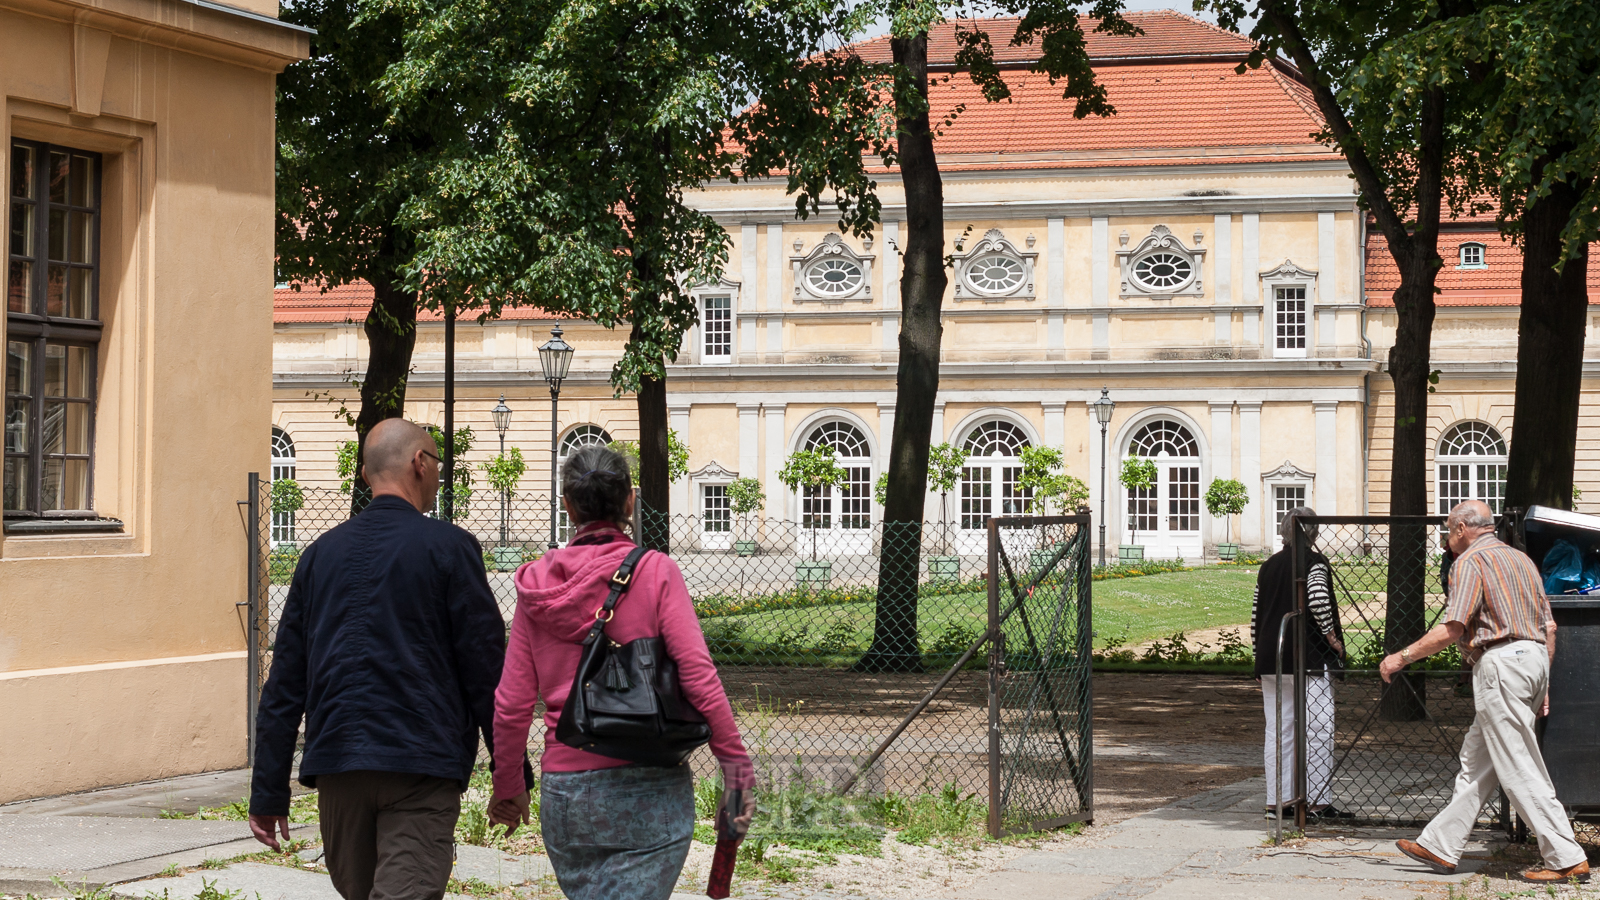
390, 647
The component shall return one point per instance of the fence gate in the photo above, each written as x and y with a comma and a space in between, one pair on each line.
1041, 760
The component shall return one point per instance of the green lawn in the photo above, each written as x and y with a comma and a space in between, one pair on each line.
1146, 607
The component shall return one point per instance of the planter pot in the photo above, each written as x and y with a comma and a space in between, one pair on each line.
506, 559
1130, 552
944, 567
813, 574
1227, 552
744, 548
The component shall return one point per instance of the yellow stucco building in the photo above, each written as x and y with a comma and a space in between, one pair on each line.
136, 155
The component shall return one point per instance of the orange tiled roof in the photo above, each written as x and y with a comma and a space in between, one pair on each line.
350, 302
1499, 283
1166, 34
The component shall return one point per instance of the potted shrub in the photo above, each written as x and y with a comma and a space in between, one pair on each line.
1042, 476
503, 472
814, 470
1227, 498
1137, 474
745, 496
944, 473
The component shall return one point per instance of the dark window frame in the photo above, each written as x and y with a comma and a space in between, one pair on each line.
34, 324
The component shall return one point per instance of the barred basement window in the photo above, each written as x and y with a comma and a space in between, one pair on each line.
716, 324
52, 331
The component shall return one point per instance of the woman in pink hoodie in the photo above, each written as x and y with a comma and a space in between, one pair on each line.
614, 830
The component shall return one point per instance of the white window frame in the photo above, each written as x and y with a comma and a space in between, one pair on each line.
1163, 536
993, 243
1280, 352
1162, 240
1288, 274
1482, 252
283, 524
836, 538
1480, 470
563, 524
831, 247
1286, 475
712, 475
707, 357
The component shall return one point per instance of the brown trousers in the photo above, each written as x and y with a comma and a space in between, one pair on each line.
387, 835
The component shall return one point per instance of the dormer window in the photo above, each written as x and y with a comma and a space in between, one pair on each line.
1472, 256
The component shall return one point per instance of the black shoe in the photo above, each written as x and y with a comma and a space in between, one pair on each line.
1329, 812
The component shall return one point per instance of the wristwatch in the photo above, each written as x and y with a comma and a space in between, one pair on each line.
1405, 654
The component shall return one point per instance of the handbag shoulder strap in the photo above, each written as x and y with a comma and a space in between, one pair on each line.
620, 580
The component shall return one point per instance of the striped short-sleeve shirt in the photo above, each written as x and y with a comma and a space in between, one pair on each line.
1496, 593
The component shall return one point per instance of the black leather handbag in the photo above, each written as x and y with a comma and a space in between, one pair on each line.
626, 702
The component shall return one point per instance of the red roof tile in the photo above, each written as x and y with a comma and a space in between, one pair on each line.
1167, 34
1499, 283
350, 302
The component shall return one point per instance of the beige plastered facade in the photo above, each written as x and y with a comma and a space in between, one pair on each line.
1033, 355
122, 655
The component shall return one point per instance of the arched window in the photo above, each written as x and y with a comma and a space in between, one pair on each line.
847, 506
993, 469
576, 439
282, 467
1471, 466
1169, 511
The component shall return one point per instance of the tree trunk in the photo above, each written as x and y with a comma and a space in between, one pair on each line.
1550, 333
391, 330
654, 483
895, 645
1405, 616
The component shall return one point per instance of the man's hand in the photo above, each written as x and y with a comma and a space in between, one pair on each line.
1391, 666
263, 827
511, 812
1544, 708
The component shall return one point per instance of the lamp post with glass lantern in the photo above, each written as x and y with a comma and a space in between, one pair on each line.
555, 357
1103, 408
502, 422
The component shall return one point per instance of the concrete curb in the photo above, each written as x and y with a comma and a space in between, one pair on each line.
42, 883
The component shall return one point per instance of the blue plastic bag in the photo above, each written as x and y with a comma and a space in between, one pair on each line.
1563, 568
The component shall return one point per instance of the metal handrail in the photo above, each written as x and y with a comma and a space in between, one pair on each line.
1277, 713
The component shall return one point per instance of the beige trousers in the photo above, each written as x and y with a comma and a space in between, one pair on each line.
387, 835
1508, 687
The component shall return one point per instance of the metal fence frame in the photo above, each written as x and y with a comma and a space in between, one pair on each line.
957, 718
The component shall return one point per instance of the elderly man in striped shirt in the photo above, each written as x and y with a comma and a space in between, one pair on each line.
1498, 613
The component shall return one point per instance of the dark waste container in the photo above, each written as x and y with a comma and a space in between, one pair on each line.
1570, 736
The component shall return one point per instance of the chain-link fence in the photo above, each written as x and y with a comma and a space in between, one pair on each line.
844, 679
1384, 752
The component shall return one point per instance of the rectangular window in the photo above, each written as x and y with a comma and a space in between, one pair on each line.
855, 498
716, 324
816, 507
1142, 506
1183, 498
715, 514
1285, 498
1472, 256
1289, 321
52, 330
977, 498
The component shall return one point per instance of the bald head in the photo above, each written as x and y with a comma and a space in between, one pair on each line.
1471, 514
399, 460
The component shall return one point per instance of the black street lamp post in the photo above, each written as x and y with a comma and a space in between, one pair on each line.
1103, 408
502, 422
555, 357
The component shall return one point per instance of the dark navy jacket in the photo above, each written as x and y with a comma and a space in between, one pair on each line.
391, 646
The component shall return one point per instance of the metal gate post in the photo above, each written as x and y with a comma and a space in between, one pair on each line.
253, 598
996, 660
1086, 660
1299, 559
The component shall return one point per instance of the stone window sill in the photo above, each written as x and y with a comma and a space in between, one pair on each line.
63, 526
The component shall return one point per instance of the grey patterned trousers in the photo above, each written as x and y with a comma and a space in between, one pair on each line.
617, 834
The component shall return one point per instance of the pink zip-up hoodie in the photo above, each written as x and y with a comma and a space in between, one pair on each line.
557, 597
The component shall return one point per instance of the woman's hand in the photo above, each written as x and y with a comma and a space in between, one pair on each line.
741, 822
511, 812
1335, 643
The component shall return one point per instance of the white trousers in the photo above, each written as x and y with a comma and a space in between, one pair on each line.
1319, 738
1508, 687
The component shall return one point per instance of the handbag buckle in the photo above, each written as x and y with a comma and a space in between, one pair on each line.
603, 614
621, 579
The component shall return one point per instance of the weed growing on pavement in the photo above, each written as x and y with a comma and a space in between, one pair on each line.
302, 811
922, 818
171, 871
83, 891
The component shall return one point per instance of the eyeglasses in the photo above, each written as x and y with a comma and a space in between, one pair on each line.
434, 457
